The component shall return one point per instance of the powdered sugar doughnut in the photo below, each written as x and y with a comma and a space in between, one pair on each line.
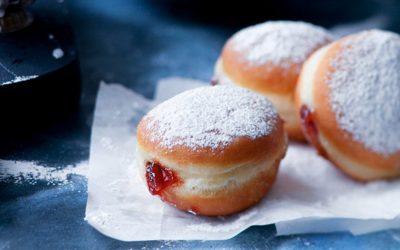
267, 58
349, 102
212, 150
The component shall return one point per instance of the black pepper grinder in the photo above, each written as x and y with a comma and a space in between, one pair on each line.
39, 70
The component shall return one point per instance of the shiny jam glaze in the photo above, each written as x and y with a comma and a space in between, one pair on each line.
159, 177
307, 121
214, 81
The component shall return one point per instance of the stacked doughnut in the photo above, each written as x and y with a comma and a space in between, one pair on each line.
348, 99
212, 150
267, 58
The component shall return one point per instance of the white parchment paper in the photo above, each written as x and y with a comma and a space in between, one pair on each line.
310, 195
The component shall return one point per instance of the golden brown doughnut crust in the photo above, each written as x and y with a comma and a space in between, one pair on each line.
264, 78
325, 120
295, 132
240, 150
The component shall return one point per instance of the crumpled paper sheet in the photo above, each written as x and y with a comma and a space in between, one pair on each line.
309, 196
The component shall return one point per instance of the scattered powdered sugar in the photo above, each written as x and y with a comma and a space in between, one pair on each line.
282, 43
211, 117
19, 79
58, 53
31, 173
365, 89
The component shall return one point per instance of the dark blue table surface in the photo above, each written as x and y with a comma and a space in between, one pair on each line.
137, 42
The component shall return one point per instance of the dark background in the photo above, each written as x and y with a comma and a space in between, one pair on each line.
137, 42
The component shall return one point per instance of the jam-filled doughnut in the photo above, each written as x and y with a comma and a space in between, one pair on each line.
267, 58
348, 98
212, 150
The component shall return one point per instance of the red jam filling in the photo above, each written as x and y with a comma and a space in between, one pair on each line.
306, 116
159, 177
214, 81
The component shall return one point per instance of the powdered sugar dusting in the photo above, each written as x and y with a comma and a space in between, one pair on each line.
211, 117
58, 53
19, 79
365, 89
282, 43
20, 172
